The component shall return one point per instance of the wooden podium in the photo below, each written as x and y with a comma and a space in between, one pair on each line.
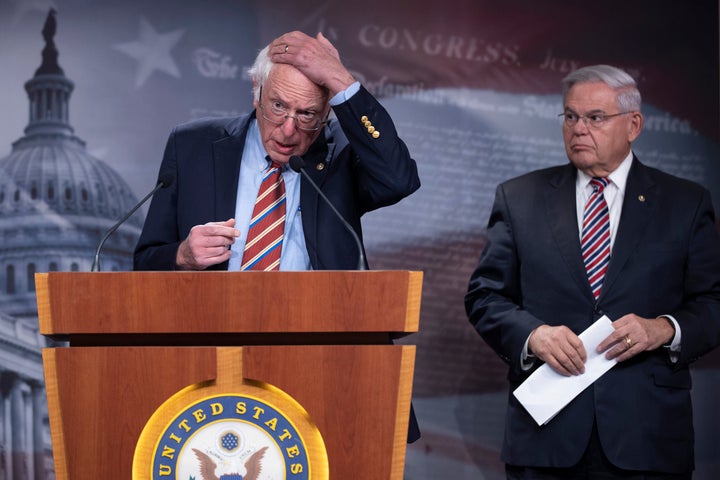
136, 339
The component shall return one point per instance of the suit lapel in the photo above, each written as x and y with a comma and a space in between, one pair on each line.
227, 153
562, 219
638, 207
317, 161
317, 164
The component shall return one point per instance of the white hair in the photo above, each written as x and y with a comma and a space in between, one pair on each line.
628, 95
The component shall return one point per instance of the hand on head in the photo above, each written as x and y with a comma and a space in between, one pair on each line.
207, 245
315, 57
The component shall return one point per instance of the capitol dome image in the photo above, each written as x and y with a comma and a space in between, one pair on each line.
56, 202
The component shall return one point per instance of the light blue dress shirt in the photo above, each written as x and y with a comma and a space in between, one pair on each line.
294, 254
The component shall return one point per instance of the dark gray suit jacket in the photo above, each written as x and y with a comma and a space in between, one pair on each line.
665, 260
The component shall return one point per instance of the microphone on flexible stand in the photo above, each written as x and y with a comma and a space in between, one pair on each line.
298, 165
163, 182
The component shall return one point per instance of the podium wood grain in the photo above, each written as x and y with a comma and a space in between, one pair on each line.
228, 302
100, 397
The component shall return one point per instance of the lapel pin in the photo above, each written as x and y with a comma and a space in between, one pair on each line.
641, 198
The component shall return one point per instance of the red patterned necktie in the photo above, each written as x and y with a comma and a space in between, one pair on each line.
595, 241
267, 225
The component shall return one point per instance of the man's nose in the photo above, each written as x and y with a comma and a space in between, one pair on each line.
288, 126
581, 126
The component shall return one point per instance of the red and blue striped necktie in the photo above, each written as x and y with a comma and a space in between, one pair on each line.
595, 240
267, 225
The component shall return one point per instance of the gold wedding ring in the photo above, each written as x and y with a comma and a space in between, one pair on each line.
628, 341
286, 48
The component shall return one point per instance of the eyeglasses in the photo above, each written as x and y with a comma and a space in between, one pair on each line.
277, 114
592, 120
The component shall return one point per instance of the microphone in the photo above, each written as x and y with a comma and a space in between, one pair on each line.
298, 165
163, 182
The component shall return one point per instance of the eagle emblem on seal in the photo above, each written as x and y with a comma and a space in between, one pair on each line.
253, 466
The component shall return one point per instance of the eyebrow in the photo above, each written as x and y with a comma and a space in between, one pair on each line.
317, 107
595, 110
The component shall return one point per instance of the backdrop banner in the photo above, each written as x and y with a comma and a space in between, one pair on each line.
474, 89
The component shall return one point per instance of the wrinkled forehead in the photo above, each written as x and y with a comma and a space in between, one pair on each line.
287, 83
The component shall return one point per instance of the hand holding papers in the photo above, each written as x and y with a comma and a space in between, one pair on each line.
546, 392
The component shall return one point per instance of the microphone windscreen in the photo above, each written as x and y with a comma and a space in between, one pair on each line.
166, 180
297, 163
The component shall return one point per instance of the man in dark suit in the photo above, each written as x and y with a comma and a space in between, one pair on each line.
658, 280
216, 167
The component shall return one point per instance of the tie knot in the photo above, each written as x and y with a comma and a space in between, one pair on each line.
272, 164
274, 170
599, 183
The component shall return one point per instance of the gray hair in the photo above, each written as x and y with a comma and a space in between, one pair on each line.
260, 71
628, 95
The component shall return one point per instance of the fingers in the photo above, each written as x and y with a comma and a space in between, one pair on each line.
300, 50
560, 348
207, 245
289, 44
621, 348
633, 335
617, 342
315, 57
219, 231
214, 235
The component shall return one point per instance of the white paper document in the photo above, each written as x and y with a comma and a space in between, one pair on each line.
546, 392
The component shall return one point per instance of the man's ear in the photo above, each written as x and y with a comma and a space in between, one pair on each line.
635, 125
256, 94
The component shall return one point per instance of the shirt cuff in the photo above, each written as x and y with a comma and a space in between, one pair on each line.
527, 359
674, 347
345, 95
675, 344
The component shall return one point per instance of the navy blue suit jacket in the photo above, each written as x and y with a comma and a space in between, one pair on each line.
356, 171
665, 260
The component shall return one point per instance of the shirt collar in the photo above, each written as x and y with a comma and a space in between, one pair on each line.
618, 177
258, 154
